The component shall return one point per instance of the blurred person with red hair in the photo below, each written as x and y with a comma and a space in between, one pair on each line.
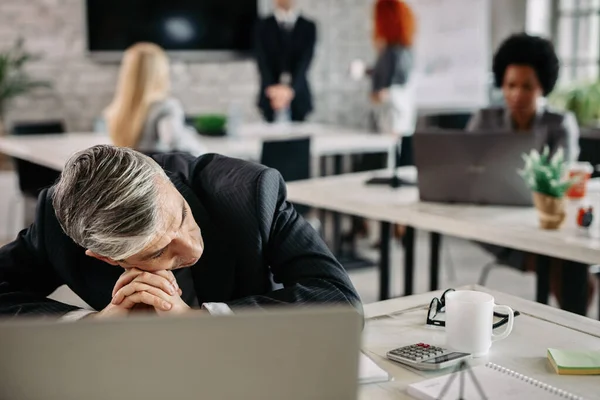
392, 93
392, 96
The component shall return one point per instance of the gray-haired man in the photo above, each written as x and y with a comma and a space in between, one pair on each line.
119, 228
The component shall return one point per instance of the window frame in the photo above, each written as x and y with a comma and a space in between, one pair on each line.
575, 61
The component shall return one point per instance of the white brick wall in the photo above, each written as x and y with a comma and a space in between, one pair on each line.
82, 88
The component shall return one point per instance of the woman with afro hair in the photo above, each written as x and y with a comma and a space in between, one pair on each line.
526, 69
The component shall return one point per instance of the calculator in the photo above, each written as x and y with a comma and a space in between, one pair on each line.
426, 357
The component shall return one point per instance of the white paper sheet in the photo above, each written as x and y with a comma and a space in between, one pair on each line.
369, 372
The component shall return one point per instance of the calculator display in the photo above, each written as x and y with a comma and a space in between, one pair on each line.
444, 358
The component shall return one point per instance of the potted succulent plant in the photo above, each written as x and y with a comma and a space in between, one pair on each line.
14, 80
545, 176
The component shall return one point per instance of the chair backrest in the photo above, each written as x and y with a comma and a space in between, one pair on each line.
291, 158
37, 128
445, 121
590, 152
32, 177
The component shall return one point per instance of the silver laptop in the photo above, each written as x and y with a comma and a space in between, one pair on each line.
472, 167
287, 354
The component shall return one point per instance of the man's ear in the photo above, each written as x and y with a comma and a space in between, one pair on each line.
107, 260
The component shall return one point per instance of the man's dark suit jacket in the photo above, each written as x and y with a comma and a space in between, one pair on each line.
277, 53
250, 231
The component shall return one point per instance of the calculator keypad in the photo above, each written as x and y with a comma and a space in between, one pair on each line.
419, 352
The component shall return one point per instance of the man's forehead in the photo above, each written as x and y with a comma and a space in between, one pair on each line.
170, 211
169, 215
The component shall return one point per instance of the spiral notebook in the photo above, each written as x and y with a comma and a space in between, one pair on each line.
498, 383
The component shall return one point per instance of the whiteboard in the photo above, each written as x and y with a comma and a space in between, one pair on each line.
452, 53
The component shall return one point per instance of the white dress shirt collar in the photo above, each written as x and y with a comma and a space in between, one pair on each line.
286, 18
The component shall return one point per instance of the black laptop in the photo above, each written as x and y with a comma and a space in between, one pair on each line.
472, 167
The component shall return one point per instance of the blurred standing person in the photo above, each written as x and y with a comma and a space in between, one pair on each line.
142, 114
392, 95
392, 88
285, 43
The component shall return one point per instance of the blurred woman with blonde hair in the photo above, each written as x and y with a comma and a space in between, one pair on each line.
142, 115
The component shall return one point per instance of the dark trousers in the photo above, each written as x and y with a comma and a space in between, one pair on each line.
269, 116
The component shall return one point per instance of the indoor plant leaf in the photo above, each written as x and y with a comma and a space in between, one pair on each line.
545, 174
14, 79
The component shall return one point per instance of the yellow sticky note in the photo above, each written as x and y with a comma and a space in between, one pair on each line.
575, 362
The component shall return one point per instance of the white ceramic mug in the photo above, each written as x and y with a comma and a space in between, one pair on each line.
469, 320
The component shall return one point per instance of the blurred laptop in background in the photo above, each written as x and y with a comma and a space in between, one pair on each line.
472, 167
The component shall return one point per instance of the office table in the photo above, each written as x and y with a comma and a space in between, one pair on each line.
264, 129
513, 227
53, 150
327, 141
399, 322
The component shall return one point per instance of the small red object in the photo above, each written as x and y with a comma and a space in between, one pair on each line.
580, 214
421, 344
426, 346
585, 216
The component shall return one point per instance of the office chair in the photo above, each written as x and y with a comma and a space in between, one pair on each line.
34, 178
445, 121
291, 158
590, 152
595, 270
502, 260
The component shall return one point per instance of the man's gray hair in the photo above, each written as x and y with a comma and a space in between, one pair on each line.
107, 200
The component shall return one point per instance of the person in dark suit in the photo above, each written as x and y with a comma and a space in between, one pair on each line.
285, 44
120, 229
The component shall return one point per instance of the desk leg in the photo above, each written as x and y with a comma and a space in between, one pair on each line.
543, 279
574, 287
322, 212
434, 260
409, 259
337, 234
337, 217
384, 261
338, 164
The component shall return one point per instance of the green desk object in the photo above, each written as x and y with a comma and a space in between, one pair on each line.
575, 362
211, 124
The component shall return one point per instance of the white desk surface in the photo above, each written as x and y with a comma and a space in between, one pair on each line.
266, 130
53, 150
401, 321
514, 227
